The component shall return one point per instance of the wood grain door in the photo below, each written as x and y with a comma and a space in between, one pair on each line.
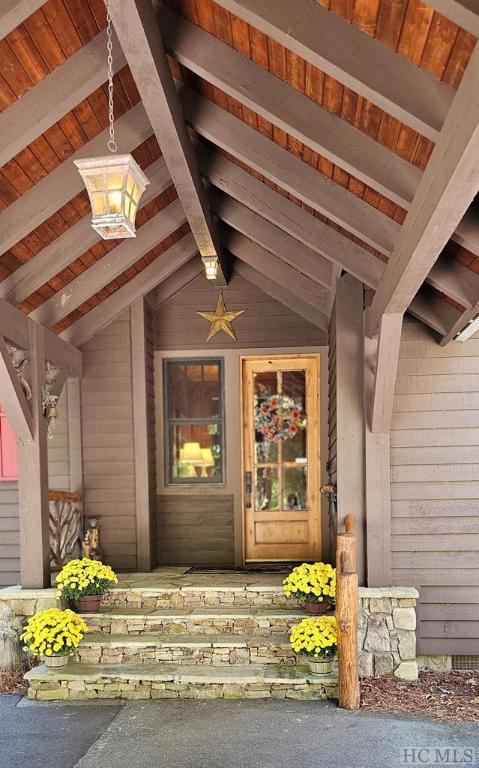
281, 471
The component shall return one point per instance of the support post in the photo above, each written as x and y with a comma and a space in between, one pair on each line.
33, 477
347, 618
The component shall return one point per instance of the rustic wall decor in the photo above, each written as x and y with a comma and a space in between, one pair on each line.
220, 319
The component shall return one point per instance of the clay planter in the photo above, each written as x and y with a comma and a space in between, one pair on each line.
55, 661
89, 604
320, 666
316, 608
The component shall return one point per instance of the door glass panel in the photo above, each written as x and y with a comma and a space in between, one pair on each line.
294, 387
295, 487
267, 488
265, 385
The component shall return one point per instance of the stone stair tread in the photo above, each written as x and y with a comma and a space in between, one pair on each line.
90, 673
205, 613
185, 640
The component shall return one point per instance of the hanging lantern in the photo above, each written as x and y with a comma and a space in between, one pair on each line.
114, 183
211, 267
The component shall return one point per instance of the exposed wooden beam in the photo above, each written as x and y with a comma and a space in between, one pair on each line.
456, 281
14, 401
274, 269
362, 63
464, 13
14, 12
72, 244
178, 280
289, 172
318, 237
258, 89
448, 186
313, 270
110, 266
467, 231
279, 293
430, 307
137, 28
54, 96
145, 281
56, 189
383, 354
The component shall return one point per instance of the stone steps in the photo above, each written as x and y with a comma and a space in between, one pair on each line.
197, 596
169, 681
213, 650
194, 621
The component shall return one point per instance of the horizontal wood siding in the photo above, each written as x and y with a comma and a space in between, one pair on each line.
107, 434
265, 322
196, 530
435, 487
9, 535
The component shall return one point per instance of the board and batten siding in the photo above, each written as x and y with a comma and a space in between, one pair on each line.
108, 440
435, 487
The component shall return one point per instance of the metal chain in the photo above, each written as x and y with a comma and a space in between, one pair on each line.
109, 46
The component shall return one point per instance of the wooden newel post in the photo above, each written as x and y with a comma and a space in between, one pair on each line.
347, 617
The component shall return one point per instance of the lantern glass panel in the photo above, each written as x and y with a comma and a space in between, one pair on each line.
116, 179
98, 204
115, 200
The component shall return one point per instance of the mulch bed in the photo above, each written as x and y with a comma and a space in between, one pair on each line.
447, 697
13, 682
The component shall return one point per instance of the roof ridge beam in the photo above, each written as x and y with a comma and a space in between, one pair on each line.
260, 90
71, 245
103, 314
110, 266
366, 65
58, 93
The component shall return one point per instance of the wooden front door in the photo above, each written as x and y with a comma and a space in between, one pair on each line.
281, 458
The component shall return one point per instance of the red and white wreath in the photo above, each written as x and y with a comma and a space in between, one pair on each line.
279, 418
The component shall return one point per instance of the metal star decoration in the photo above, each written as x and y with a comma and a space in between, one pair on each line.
221, 319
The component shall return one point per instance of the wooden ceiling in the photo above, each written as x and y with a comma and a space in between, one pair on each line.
44, 43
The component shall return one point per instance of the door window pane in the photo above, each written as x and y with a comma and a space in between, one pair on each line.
194, 412
267, 488
294, 387
295, 487
265, 385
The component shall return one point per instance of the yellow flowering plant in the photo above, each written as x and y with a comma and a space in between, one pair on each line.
315, 637
314, 582
54, 632
84, 577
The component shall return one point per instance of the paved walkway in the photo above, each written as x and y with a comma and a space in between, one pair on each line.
213, 734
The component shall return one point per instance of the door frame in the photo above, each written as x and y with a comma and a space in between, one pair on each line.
278, 356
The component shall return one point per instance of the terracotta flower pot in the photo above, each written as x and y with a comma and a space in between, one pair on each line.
320, 666
55, 661
89, 604
315, 608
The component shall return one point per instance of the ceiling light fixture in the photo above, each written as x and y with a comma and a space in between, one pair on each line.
114, 183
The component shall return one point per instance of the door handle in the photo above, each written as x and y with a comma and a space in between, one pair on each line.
248, 487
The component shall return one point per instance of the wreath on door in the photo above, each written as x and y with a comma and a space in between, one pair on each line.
279, 418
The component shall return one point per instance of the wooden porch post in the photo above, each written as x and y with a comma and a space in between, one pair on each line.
350, 418
33, 478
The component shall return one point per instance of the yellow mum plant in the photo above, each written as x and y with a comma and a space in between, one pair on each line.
314, 582
315, 637
84, 577
54, 632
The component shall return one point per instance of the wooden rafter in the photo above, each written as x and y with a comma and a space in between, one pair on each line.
103, 314
448, 186
137, 28
54, 96
272, 268
362, 63
56, 189
110, 266
71, 245
464, 13
14, 12
177, 281
271, 98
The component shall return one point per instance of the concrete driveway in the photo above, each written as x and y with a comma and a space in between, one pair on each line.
218, 734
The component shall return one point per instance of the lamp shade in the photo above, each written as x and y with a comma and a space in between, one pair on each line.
207, 457
114, 184
191, 454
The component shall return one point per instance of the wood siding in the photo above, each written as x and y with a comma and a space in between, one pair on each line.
9, 534
196, 530
435, 487
265, 323
108, 440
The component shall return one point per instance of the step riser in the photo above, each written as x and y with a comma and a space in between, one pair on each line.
196, 599
263, 654
190, 624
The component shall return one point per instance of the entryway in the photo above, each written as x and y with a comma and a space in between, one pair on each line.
281, 457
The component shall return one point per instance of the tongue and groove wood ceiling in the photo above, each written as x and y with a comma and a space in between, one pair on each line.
287, 185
